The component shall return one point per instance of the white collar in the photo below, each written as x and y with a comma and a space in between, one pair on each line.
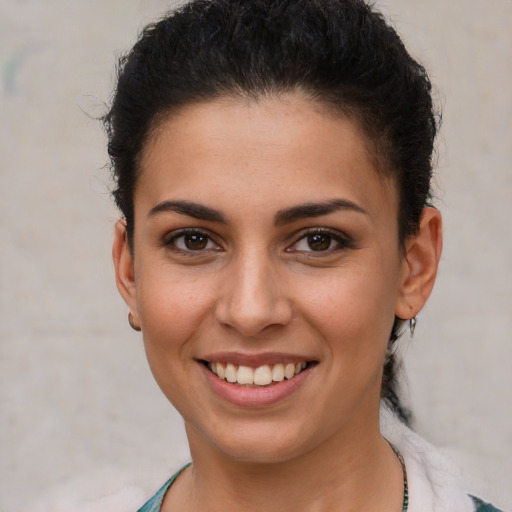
431, 477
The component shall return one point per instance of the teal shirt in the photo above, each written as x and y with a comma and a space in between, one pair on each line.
480, 506
155, 503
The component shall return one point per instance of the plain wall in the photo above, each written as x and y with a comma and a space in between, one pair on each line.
77, 400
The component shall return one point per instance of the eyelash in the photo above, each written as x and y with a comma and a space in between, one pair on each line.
170, 241
342, 241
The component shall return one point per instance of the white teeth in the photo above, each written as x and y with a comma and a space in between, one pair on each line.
278, 373
245, 375
220, 370
230, 372
289, 370
260, 376
263, 375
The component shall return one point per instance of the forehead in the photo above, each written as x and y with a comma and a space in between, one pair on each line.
273, 149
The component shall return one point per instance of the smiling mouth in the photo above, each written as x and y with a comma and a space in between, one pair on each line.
261, 376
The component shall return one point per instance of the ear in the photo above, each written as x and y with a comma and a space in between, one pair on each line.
421, 260
123, 264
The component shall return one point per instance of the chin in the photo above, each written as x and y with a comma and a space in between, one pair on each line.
254, 444
257, 452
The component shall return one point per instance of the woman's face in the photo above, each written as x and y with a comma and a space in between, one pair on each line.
265, 241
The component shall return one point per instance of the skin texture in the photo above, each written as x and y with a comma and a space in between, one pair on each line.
256, 287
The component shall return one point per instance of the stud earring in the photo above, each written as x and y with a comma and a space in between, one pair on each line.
412, 325
132, 324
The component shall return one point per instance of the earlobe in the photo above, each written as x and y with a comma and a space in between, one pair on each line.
421, 260
124, 270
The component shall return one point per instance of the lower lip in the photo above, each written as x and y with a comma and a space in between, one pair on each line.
255, 397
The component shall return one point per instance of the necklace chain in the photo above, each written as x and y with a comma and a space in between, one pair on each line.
405, 503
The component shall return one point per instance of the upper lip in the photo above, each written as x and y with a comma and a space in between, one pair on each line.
255, 360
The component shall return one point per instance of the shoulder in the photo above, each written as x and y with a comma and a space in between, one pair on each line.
481, 506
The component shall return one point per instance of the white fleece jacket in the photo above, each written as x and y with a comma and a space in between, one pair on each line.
432, 484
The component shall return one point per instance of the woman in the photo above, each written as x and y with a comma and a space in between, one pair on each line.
272, 161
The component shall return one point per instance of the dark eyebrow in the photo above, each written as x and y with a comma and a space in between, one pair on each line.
303, 211
189, 208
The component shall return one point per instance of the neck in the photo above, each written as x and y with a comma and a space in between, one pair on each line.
346, 473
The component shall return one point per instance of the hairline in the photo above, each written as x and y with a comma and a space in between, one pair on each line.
374, 143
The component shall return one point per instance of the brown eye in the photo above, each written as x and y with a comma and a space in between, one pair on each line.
192, 241
195, 242
319, 242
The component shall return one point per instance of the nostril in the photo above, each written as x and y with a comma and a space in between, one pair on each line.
250, 318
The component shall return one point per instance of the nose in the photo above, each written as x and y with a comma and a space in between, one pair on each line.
253, 297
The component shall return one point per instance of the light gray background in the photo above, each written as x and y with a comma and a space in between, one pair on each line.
77, 400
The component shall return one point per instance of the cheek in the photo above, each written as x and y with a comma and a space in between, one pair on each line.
171, 308
172, 313
353, 309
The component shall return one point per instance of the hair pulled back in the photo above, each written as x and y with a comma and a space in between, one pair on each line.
340, 53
